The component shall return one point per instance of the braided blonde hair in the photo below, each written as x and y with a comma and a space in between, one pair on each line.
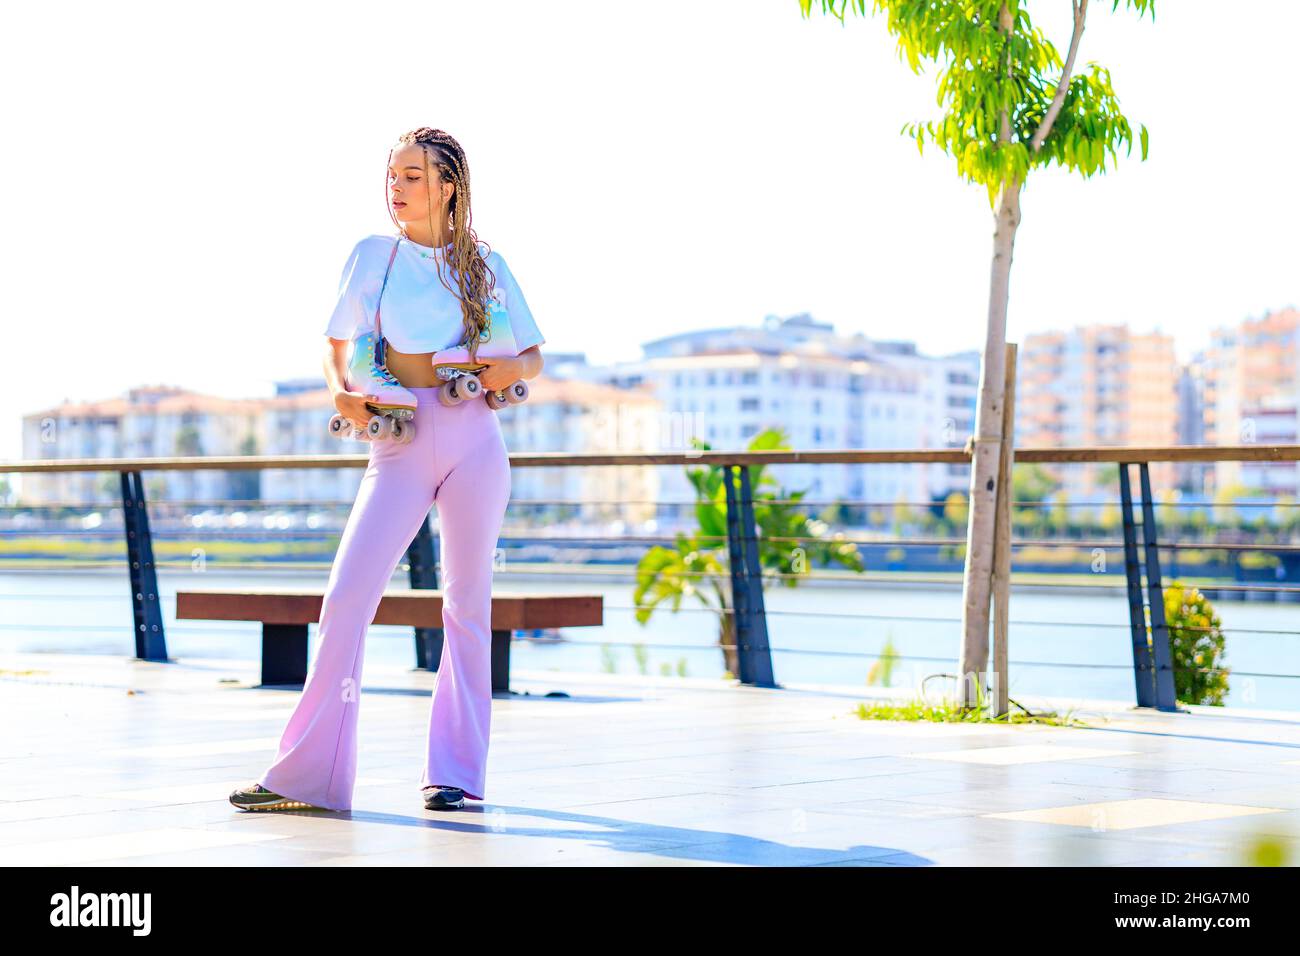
444, 161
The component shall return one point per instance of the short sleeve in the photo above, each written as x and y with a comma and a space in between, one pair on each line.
522, 323
349, 313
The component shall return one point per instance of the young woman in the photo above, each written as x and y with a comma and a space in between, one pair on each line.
432, 293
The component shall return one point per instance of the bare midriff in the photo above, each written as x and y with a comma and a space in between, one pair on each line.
412, 369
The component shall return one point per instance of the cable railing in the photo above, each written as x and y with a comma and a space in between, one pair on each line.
750, 562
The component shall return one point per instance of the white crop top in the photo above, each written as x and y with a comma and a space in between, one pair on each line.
419, 313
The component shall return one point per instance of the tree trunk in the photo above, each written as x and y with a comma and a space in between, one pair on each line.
985, 458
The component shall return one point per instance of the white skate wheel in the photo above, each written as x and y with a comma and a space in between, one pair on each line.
517, 393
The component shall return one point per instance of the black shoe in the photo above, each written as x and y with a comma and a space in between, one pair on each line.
257, 797
443, 798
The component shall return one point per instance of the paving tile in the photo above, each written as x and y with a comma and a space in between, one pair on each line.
1131, 814
1019, 754
114, 847
198, 748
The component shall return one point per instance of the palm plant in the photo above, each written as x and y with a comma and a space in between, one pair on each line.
790, 543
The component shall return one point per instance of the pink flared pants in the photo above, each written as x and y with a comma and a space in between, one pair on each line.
458, 462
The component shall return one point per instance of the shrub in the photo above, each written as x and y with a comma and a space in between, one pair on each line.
1196, 642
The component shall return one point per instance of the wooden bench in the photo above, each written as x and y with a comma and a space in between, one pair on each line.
286, 614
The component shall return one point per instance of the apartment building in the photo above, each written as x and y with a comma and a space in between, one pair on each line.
146, 422
1251, 394
1191, 477
1092, 386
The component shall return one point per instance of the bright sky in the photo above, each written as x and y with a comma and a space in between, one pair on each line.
183, 182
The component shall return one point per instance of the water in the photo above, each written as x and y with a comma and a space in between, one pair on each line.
819, 634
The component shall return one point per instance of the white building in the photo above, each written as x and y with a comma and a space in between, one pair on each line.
824, 390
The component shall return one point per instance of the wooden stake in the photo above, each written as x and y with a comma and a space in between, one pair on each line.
1002, 540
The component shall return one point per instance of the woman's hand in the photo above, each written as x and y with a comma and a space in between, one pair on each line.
500, 372
352, 406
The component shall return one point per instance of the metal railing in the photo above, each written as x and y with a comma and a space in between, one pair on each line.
1153, 666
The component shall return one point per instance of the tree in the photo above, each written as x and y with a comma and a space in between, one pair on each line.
245, 485
1012, 105
954, 509
1032, 484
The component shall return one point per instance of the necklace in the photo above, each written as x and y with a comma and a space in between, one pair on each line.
418, 249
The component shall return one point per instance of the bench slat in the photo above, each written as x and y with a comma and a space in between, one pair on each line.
417, 607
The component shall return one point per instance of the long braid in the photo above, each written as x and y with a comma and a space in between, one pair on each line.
444, 156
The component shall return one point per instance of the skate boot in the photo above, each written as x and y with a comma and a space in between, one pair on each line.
394, 405
461, 375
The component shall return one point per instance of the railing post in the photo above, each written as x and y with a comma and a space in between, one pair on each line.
1166, 697
753, 656
422, 556
740, 593
756, 660
1137, 622
150, 641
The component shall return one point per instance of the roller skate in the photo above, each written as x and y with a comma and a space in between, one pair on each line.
394, 406
460, 374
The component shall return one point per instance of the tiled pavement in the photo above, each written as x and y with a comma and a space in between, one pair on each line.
109, 761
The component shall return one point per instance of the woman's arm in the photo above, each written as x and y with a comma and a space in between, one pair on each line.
532, 362
336, 358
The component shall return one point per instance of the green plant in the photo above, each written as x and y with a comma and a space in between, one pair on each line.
642, 657
608, 659
667, 668
1197, 645
948, 710
790, 542
1259, 559
1265, 849
882, 670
